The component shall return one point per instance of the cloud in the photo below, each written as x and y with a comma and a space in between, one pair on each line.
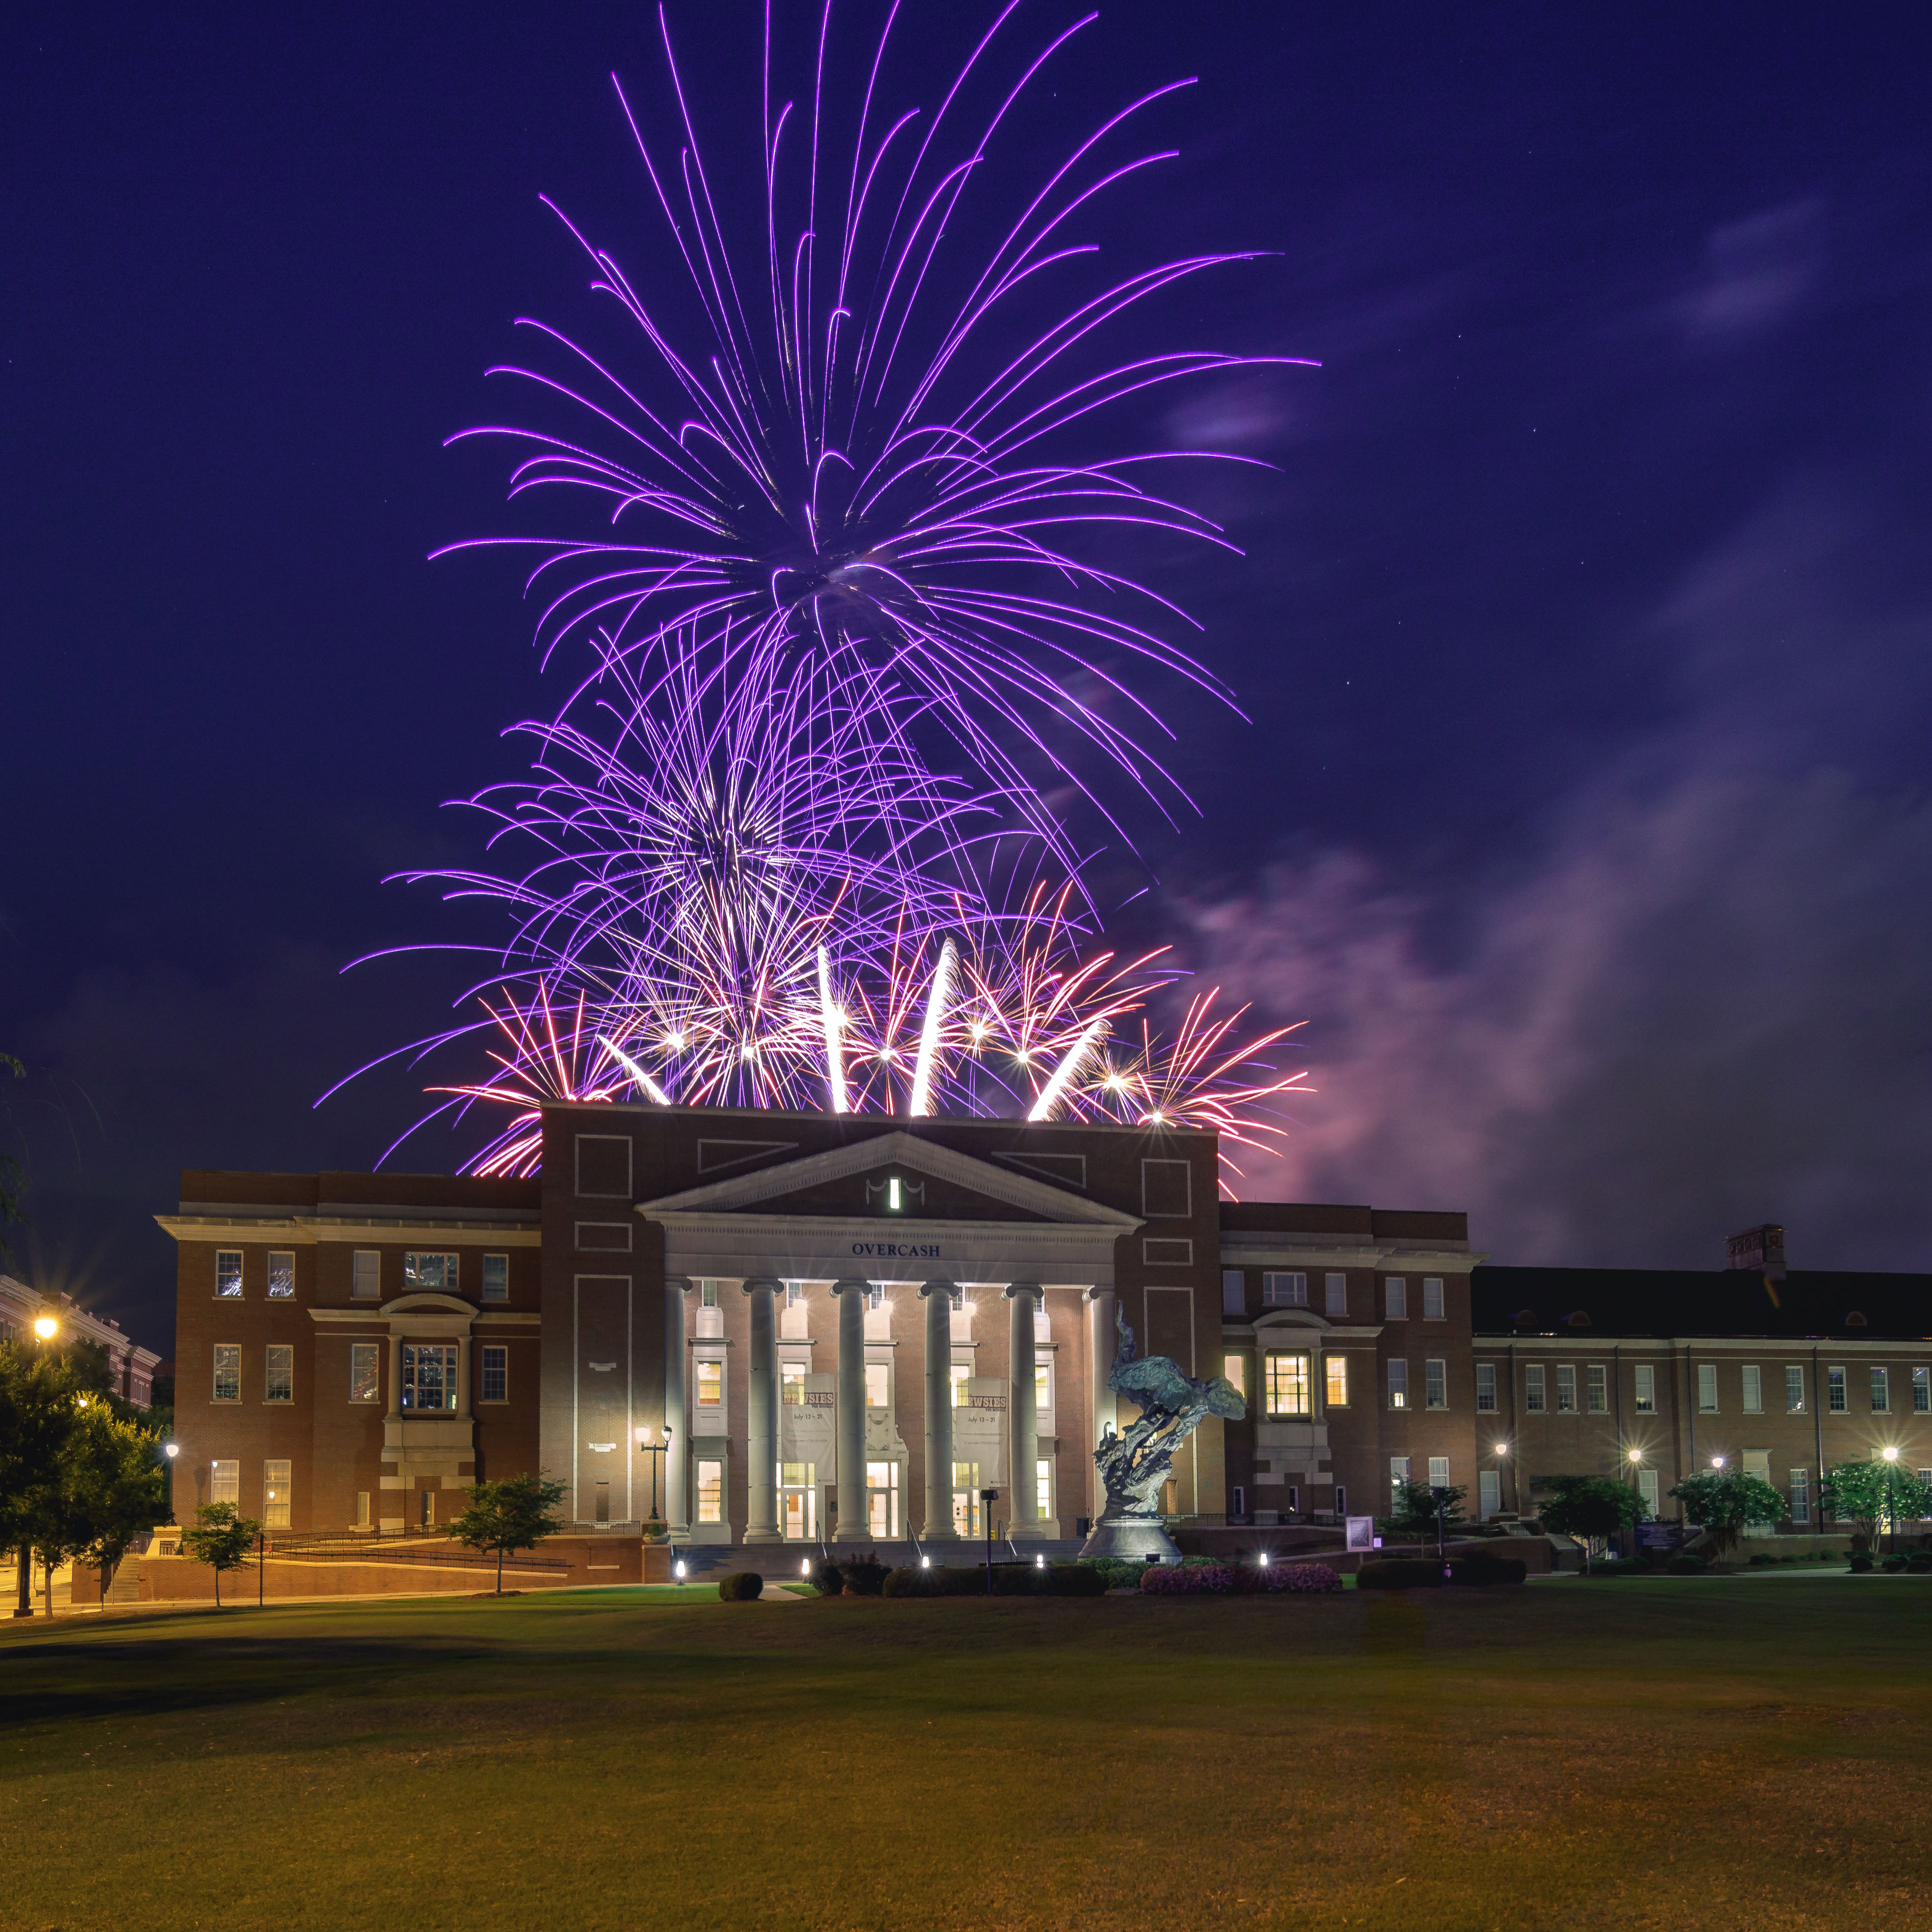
1697, 1001
1755, 271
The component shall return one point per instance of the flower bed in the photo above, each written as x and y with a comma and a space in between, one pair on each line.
1306, 1579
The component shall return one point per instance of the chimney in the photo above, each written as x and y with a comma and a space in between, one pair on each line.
1761, 1250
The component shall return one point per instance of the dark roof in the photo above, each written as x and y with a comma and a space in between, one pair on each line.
1817, 1302
1306, 1217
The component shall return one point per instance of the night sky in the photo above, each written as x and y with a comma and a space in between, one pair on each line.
1581, 634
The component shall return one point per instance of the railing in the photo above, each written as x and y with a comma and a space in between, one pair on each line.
422, 1550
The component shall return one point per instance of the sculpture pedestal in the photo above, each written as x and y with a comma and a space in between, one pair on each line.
1132, 1539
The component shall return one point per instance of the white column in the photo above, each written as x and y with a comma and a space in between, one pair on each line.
850, 1468
676, 1422
1101, 1343
937, 1296
1022, 1419
761, 1448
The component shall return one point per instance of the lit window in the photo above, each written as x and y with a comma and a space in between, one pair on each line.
1881, 1391
1395, 1299
224, 1482
1644, 1376
228, 1274
1834, 1388
1431, 1297
1398, 1384
228, 1372
1485, 1388
281, 1275
276, 1477
1335, 1371
791, 1384
281, 1386
1042, 1491
1434, 1384
1335, 1293
710, 1388
1566, 1389
958, 1375
1646, 1490
1043, 1387
1234, 1292
794, 1294
1707, 1388
1794, 1389
710, 1491
1234, 1370
1922, 1390
365, 1372
1398, 1472
1801, 1496
1284, 1291
875, 1298
966, 1501
429, 1376
1596, 1389
1532, 1389
878, 1385
365, 1277
1752, 1379
495, 1278
1438, 1472
1287, 1384
436, 1273
496, 1373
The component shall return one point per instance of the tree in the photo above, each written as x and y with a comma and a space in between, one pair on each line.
221, 1537
38, 1414
113, 1488
513, 1514
1721, 1502
1590, 1506
1419, 1509
1858, 1493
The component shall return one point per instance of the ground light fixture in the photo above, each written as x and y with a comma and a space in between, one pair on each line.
1039, 1562
677, 1570
1262, 1559
925, 1562
804, 1566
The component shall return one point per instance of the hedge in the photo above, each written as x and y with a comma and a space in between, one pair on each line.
1273, 1579
1400, 1573
741, 1586
1172, 1579
850, 1573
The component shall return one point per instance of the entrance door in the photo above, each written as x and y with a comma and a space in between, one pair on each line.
798, 1511
882, 1501
967, 1508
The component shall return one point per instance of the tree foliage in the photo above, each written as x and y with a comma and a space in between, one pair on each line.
1421, 1511
1590, 1507
113, 1487
220, 1536
1855, 1492
515, 1514
39, 1412
1722, 1503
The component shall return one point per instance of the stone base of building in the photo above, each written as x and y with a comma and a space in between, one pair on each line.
1134, 1540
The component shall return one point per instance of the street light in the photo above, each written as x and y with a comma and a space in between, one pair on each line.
171, 1450
1717, 1462
654, 1450
45, 1328
1636, 1455
1890, 1452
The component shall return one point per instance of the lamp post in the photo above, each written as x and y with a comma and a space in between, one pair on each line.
988, 1497
1502, 1455
45, 1329
1890, 1452
654, 1450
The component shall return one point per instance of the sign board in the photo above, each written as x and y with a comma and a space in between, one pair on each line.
1658, 1535
1361, 1532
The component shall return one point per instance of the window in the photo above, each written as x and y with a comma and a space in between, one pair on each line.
1834, 1387
1881, 1391
275, 1481
791, 1384
710, 1393
496, 1372
957, 1296
1596, 1389
429, 1374
1398, 1472
1753, 1381
1234, 1292
279, 1385
1395, 1299
1293, 1506
1335, 1372
959, 1374
1335, 1294
1438, 1472
1434, 1384
1042, 1388
875, 1298
878, 1385
707, 1294
1566, 1389
1284, 1291
1644, 1376
228, 1274
794, 1294
1794, 1389
224, 1482
1238, 1500
1489, 1493
1431, 1297
1532, 1389
1341, 1499
281, 1276
228, 1372
434, 1274
1801, 1496
1646, 1490
1234, 1369
1043, 1487
495, 1278
882, 1500
1922, 1390
365, 1372
1398, 1384
1287, 1384
710, 1491
1485, 1388
365, 1275
1707, 1388
427, 1514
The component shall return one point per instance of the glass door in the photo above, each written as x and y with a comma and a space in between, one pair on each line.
798, 1502
882, 1501
967, 1508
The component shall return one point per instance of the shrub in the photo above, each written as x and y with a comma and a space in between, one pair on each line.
914, 1581
1481, 1568
1687, 1566
861, 1573
1919, 1562
1281, 1578
1860, 1563
1181, 1579
741, 1586
1895, 1565
1400, 1573
1119, 1573
1075, 1579
1018, 1580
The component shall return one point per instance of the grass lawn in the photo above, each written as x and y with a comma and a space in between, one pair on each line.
1695, 1752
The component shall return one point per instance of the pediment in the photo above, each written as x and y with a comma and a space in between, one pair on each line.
961, 1187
